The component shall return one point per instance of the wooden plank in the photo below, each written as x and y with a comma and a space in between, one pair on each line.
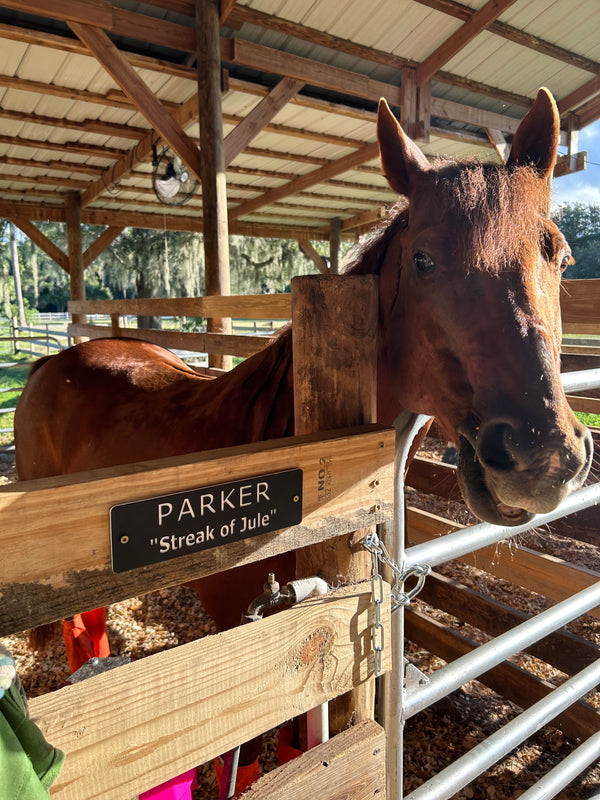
42, 241
590, 405
63, 525
245, 306
579, 305
561, 649
517, 685
549, 576
219, 343
136, 726
353, 762
134, 87
479, 21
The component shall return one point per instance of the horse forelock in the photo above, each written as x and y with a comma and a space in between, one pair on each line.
495, 214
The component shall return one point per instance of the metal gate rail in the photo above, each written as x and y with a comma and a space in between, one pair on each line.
402, 701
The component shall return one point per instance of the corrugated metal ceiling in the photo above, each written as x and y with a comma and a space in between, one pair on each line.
65, 124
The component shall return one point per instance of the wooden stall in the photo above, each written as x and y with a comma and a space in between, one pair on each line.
121, 738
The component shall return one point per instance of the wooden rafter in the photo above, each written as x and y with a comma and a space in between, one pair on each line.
260, 115
103, 241
478, 22
141, 96
366, 153
42, 241
515, 35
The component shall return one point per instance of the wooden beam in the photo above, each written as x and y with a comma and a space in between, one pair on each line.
76, 265
464, 12
317, 259
261, 114
42, 241
366, 153
139, 93
246, 306
89, 125
335, 235
227, 7
478, 22
103, 241
91, 12
501, 146
315, 73
70, 45
579, 96
336, 43
214, 189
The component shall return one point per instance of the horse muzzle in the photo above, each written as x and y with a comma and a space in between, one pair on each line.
508, 473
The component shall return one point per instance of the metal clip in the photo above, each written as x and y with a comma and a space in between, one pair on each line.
375, 546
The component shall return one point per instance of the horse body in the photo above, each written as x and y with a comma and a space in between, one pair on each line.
469, 332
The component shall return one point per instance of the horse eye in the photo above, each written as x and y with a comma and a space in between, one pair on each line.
566, 260
423, 263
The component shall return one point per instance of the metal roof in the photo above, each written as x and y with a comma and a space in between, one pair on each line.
460, 75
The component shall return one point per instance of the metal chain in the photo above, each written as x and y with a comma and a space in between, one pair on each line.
377, 626
375, 546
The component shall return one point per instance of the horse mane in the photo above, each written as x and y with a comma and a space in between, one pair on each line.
492, 210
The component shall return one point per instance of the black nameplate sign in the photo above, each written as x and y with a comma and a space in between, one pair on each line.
160, 528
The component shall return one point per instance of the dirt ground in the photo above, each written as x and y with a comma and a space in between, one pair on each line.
434, 738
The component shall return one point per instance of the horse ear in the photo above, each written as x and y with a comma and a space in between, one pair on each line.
536, 140
401, 160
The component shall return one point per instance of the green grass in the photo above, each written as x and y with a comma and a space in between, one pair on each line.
11, 378
593, 420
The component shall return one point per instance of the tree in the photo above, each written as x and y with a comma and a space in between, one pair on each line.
580, 224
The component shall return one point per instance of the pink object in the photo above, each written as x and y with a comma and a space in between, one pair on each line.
179, 788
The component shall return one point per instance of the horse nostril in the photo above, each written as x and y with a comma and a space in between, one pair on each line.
494, 446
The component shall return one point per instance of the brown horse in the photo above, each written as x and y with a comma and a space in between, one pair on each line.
469, 332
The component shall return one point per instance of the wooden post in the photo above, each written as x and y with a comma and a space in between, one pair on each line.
335, 236
76, 266
214, 191
335, 385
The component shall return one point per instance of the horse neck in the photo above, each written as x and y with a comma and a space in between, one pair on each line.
257, 397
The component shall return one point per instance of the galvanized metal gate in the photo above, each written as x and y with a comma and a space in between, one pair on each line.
405, 696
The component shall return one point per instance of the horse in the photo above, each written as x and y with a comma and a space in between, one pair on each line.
469, 332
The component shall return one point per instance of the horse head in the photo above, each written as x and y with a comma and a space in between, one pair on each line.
470, 317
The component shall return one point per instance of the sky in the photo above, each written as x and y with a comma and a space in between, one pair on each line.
584, 186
